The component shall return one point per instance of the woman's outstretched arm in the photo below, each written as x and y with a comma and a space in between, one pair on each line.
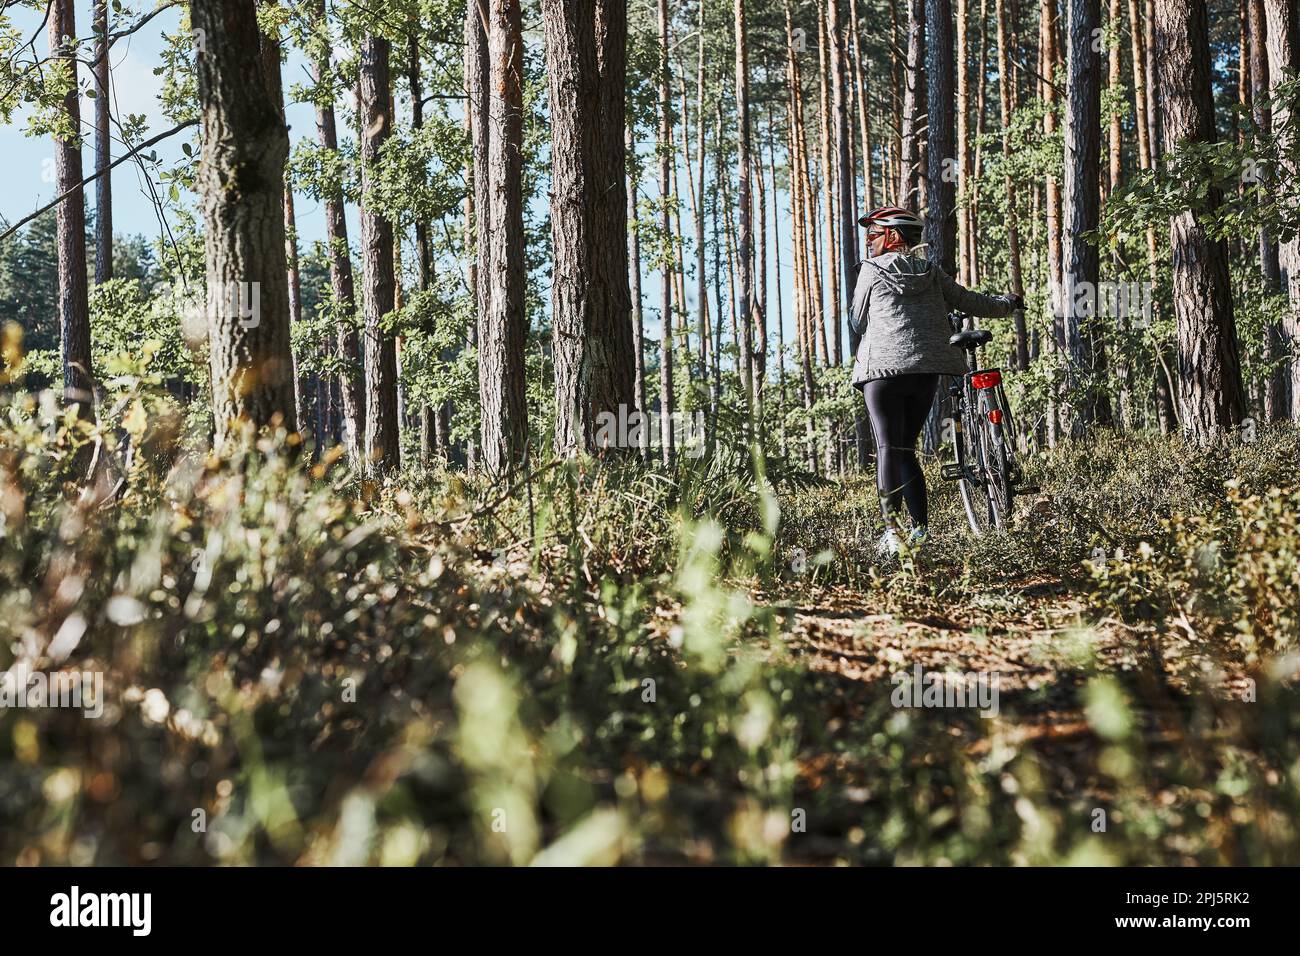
974, 303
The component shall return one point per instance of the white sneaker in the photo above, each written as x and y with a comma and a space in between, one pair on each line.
917, 537
889, 544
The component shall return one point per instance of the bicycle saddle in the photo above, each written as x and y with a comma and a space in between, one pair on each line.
971, 339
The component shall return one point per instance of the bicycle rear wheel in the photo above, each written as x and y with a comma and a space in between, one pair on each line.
974, 497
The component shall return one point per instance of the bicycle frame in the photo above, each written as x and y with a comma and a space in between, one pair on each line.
982, 420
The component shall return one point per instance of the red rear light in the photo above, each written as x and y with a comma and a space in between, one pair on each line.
986, 379
995, 416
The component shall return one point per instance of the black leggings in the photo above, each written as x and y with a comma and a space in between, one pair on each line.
898, 407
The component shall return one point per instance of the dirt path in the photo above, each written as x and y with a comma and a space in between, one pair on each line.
1042, 643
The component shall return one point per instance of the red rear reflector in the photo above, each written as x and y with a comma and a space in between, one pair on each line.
986, 379
995, 416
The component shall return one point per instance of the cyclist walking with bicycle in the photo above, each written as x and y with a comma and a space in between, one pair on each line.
900, 308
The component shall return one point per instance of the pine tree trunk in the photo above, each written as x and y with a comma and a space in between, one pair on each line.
433, 431
103, 149
940, 68
1008, 99
1114, 153
1283, 55
381, 445
666, 403
701, 287
913, 97
271, 57
638, 315
744, 212
1263, 115
478, 115
964, 237
848, 237
504, 427
586, 48
1209, 369
864, 111
1082, 213
73, 297
1276, 404
351, 397
241, 188
1052, 189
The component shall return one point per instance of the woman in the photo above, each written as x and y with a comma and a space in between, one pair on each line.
900, 308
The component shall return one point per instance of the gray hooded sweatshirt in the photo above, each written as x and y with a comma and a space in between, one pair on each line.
900, 307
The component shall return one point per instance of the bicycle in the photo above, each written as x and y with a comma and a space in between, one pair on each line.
984, 437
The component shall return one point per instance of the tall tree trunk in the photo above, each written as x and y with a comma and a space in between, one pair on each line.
864, 112
1008, 100
827, 191
241, 188
381, 447
780, 308
1209, 369
964, 236
433, 437
1263, 115
1052, 188
1276, 404
745, 212
666, 403
940, 221
1082, 214
271, 56
502, 334
760, 296
638, 315
73, 297
351, 397
1114, 150
913, 97
1284, 55
478, 113
701, 287
848, 236
586, 50
103, 150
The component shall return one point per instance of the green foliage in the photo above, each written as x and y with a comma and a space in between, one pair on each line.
592, 668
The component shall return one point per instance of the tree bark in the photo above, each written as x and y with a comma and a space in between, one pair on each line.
103, 150
1263, 115
1082, 215
478, 115
382, 451
586, 47
1276, 402
964, 235
940, 68
1284, 55
241, 188
638, 315
1006, 86
1114, 151
351, 397
666, 403
73, 297
70, 214
848, 236
502, 334
864, 111
913, 97
744, 212
1209, 369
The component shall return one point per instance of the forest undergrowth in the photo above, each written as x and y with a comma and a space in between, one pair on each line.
613, 663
